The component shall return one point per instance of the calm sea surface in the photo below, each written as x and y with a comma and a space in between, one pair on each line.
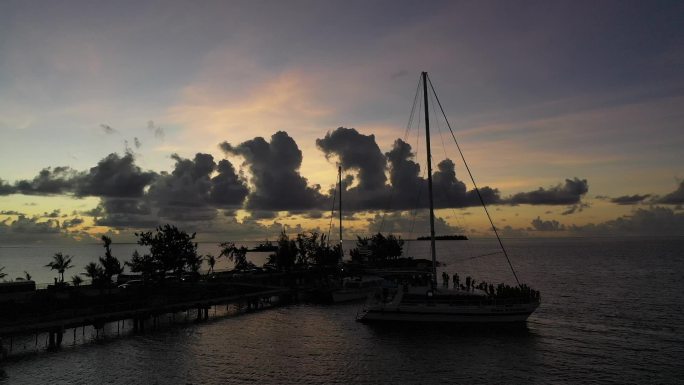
611, 313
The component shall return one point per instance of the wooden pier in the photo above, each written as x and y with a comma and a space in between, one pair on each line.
139, 306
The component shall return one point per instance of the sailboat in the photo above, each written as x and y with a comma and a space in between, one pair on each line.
418, 298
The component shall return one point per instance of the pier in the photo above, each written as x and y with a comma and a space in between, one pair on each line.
56, 310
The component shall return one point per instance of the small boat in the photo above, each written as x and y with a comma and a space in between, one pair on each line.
416, 296
265, 247
357, 288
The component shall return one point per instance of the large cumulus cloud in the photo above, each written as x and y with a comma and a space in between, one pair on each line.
407, 188
277, 183
356, 152
114, 176
190, 192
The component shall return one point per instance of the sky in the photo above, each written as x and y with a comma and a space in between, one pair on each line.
230, 118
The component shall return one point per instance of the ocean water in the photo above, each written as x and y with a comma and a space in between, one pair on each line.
611, 312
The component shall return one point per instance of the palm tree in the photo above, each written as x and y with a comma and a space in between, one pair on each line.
211, 261
94, 271
60, 263
2, 275
76, 280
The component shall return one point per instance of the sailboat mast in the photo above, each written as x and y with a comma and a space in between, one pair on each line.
339, 177
429, 173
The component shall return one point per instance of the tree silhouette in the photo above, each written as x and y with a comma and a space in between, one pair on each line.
171, 250
2, 275
76, 280
284, 257
27, 276
211, 261
235, 254
61, 263
143, 264
110, 265
378, 248
95, 272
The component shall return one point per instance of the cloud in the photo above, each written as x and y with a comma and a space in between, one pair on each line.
675, 197
578, 208
550, 225
158, 131
50, 181
190, 192
407, 189
114, 176
107, 129
56, 213
410, 225
655, 221
629, 199
6, 189
356, 152
569, 193
137, 142
31, 230
73, 222
274, 167
10, 212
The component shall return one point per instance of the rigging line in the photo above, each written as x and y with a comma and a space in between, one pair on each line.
477, 190
420, 185
332, 213
477, 256
406, 132
441, 137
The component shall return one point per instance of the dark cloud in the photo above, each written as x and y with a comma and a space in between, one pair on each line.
24, 224
6, 189
158, 131
410, 225
675, 197
569, 193
578, 208
356, 152
10, 212
262, 214
228, 189
189, 191
114, 176
123, 221
629, 199
275, 167
54, 214
50, 181
410, 190
550, 225
73, 222
656, 221
107, 129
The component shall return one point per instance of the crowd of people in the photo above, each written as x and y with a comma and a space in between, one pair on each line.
499, 291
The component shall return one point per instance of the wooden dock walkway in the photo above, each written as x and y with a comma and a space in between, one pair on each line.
55, 324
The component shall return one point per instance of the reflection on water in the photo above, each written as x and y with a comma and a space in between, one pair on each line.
611, 312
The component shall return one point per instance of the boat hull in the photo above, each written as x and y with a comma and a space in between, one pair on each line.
449, 314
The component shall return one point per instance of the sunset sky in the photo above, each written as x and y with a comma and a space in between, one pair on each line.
229, 118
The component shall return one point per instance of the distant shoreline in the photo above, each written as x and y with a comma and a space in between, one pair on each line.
445, 238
